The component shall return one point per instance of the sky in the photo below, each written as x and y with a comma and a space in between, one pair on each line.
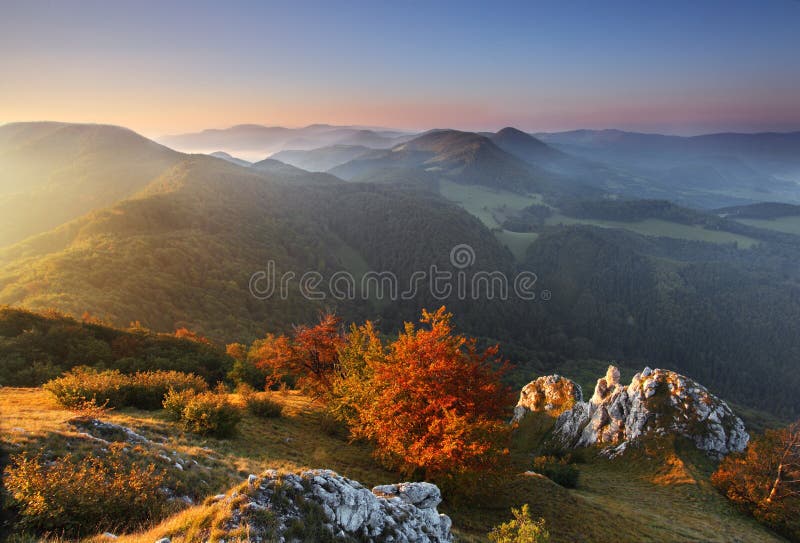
679, 67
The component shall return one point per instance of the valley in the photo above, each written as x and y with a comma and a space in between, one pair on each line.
161, 275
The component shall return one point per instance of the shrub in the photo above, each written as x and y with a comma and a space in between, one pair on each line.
764, 480
521, 529
144, 389
175, 401
83, 384
558, 470
76, 497
207, 413
436, 405
261, 405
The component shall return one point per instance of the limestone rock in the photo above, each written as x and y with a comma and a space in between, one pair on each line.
656, 401
552, 394
400, 513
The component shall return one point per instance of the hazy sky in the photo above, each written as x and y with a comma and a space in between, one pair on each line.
165, 67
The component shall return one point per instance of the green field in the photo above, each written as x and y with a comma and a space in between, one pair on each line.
788, 225
492, 206
487, 204
661, 228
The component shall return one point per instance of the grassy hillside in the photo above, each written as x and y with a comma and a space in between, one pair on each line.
656, 495
182, 252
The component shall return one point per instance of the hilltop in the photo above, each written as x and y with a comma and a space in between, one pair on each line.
55, 172
323, 158
464, 157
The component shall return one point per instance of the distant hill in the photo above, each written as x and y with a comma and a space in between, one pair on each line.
51, 173
763, 210
182, 251
464, 157
707, 169
251, 139
291, 173
323, 158
526, 147
225, 156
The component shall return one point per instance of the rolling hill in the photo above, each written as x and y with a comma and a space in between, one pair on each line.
252, 140
55, 172
182, 250
713, 170
526, 147
285, 171
463, 157
225, 156
323, 158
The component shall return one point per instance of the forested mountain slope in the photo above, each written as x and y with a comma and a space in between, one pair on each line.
51, 173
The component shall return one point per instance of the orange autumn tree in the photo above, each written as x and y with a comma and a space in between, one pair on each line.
438, 407
185, 333
765, 479
310, 356
271, 356
315, 353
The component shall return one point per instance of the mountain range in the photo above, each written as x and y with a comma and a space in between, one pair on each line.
100, 219
256, 140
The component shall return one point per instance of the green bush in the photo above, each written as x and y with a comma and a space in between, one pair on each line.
261, 405
558, 470
144, 390
206, 414
175, 401
82, 384
77, 497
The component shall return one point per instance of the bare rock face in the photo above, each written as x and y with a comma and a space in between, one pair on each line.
552, 394
656, 401
404, 512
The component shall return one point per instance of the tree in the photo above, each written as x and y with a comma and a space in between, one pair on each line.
315, 353
352, 385
311, 355
787, 473
271, 356
185, 333
521, 529
765, 479
244, 370
438, 405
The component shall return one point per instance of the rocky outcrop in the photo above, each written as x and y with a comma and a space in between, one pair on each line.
274, 507
552, 394
656, 402
106, 431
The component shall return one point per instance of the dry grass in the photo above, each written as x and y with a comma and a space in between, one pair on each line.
645, 496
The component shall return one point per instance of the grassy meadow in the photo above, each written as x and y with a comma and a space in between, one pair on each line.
628, 500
